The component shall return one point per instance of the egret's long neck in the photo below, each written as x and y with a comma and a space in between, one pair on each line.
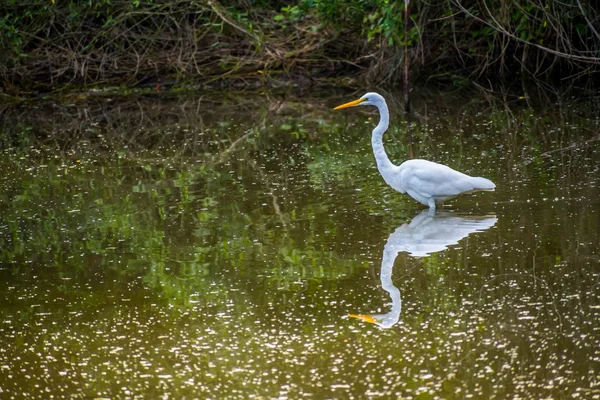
383, 162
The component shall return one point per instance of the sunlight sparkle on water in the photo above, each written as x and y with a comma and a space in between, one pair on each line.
207, 249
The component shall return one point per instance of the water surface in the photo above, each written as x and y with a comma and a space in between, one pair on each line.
213, 246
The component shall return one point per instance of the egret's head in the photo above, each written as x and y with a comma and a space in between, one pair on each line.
369, 99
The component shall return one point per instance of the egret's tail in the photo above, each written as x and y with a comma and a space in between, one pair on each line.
480, 183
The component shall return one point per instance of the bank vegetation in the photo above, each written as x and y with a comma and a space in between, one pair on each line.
53, 45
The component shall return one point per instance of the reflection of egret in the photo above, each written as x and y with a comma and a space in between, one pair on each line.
425, 234
387, 265
427, 182
429, 233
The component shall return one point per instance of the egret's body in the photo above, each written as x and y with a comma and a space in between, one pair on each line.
427, 182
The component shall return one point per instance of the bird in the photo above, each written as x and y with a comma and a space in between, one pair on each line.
424, 235
427, 182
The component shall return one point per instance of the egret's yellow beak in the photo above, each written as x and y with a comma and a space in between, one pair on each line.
351, 104
366, 318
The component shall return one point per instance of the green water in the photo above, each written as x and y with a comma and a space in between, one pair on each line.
212, 246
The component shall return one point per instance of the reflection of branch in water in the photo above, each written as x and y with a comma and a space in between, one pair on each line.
427, 233
219, 158
267, 180
572, 146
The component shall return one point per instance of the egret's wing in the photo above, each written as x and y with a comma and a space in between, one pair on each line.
432, 179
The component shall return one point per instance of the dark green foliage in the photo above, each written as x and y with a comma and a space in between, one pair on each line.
47, 45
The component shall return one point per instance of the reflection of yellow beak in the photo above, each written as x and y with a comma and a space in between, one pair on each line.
351, 104
366, 318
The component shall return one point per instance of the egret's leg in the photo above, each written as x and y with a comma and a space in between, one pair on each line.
431, 203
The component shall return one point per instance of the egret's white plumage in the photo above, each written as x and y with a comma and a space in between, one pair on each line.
427, 182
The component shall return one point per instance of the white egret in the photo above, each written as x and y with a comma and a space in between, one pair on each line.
424, 235
427, 182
